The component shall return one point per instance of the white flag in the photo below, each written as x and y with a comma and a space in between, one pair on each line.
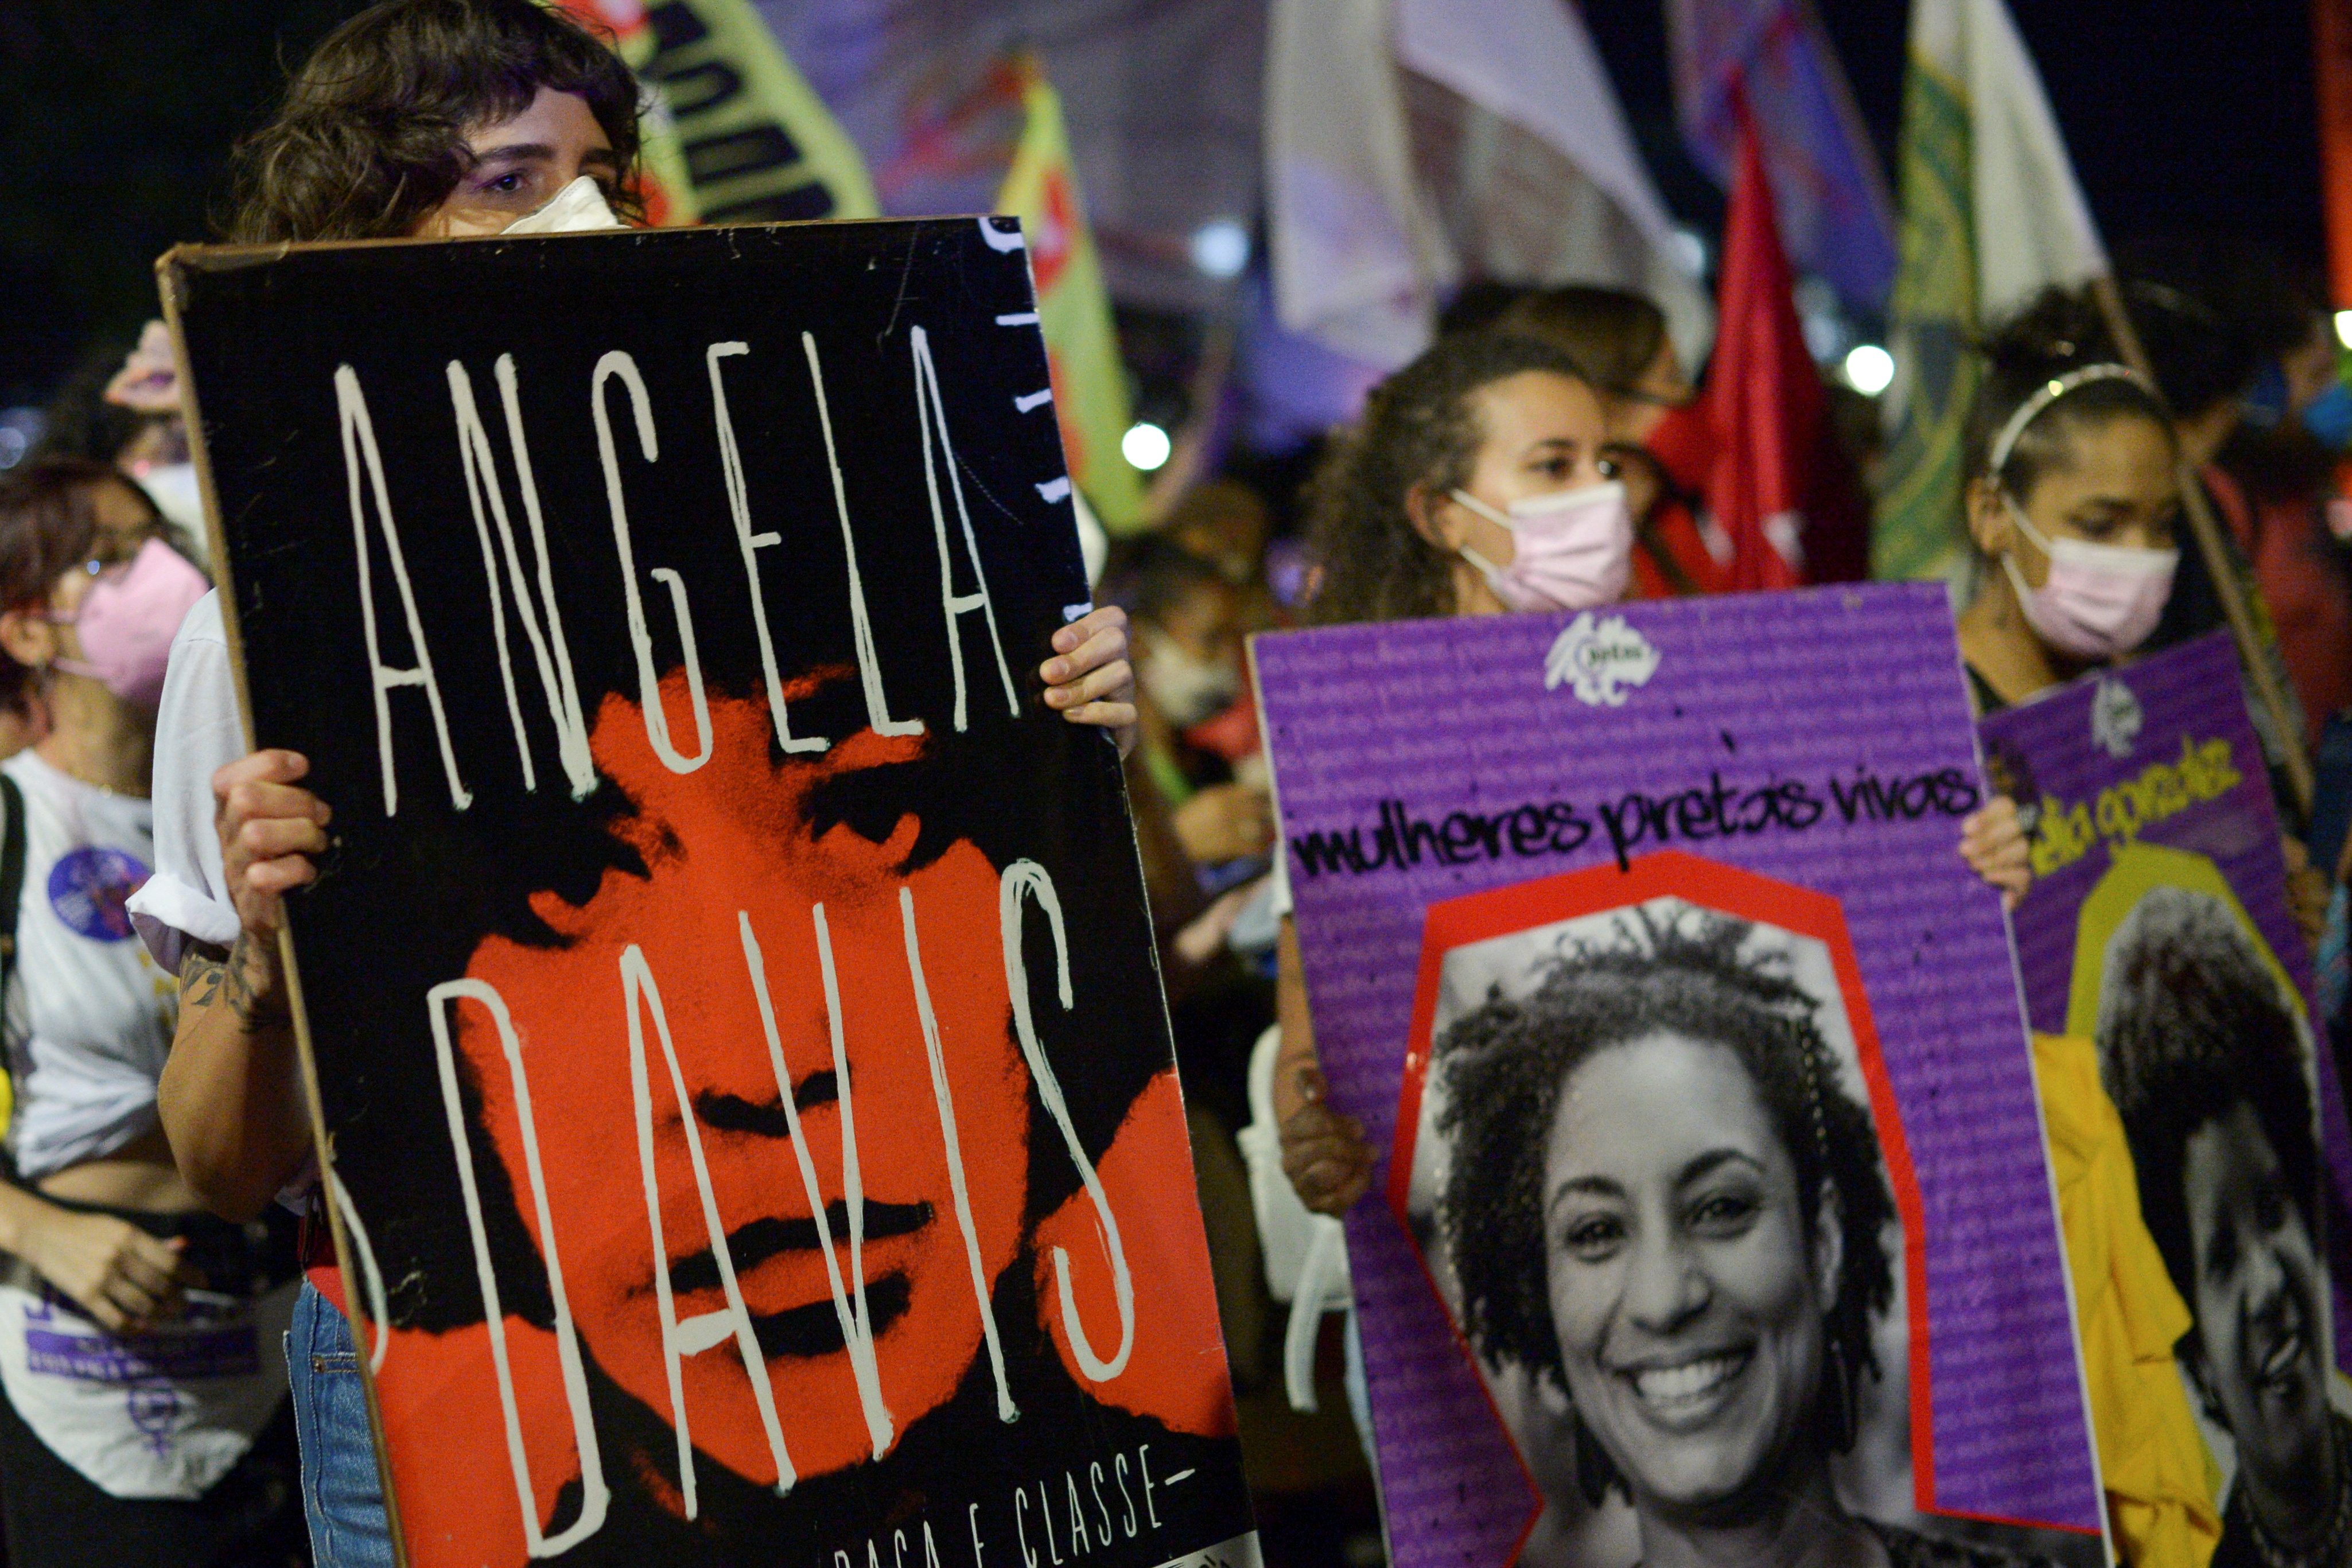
1357, 259
1412, 142
1991, 215
2032, 227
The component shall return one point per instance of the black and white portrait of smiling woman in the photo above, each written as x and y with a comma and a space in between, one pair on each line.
2204, 1054
1650, 1190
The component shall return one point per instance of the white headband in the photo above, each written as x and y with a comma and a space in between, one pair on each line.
2050, 392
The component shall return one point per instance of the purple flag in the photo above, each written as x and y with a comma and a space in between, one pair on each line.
1835, 217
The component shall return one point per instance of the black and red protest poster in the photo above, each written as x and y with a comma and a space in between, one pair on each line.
750, 1106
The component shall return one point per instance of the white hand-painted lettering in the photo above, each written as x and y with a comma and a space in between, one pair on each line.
594, 1495
640, 993
857, 1322
379, 1310
360, 448
554, 664
618, 364
957, 1181
1027, 877
930, 413
739, 505
869, 660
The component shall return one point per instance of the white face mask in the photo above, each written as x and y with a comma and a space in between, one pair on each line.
172, 487
578, 208
2099, 601
1186, 689
1570, 551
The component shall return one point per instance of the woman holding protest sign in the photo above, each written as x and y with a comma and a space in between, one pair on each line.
425, 118
2073, 506
2073, 499
1478, 482
429, 118
139, 1337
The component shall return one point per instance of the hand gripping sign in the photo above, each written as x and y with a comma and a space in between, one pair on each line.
751, 1112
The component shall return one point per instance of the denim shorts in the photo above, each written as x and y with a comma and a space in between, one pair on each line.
342, 1491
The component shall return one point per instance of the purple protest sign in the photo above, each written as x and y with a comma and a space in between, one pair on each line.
1581, 897
2157, 929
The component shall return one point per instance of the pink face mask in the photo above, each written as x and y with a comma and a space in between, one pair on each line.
2099, 601
1570, 551
127, 623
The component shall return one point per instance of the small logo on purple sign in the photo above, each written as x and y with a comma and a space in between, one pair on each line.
88, 888
2115, 717
1599, 659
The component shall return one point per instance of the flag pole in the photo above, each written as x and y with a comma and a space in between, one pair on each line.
2207, 530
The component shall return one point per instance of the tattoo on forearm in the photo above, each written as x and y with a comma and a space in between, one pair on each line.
199, 978
206, 980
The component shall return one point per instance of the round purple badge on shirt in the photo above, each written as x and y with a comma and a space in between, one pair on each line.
88, 888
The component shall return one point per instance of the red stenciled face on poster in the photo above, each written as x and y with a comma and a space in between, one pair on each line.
727, 844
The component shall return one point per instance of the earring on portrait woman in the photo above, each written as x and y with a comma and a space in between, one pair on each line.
1840, 1398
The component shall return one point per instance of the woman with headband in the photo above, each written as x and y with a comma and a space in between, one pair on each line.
2071, 500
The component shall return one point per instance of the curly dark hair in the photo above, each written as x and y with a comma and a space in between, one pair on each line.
372, 136
2190, 1026
1417, 430
1507, 1062
2060, 331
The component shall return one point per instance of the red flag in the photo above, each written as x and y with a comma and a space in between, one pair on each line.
2332, 59
1777, 474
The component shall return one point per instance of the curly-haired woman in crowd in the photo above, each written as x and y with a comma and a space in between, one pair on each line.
1662, 1202
2204, 1063
1476, 482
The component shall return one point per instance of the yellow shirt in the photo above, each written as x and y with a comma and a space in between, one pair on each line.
2161, 1484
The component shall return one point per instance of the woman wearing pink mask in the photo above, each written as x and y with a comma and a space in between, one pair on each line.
146, 1419
2071, 504
1659, 431
1475, 484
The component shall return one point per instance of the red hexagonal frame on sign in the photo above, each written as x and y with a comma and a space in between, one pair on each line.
1802, 913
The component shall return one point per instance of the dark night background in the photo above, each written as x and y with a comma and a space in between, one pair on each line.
116, 117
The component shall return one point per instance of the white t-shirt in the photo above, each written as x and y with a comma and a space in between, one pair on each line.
198, 731
89, 1014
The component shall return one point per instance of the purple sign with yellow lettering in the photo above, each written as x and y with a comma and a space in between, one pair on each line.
2158, 940
1713, 1194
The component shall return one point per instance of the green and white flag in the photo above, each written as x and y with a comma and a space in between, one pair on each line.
1991, 214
